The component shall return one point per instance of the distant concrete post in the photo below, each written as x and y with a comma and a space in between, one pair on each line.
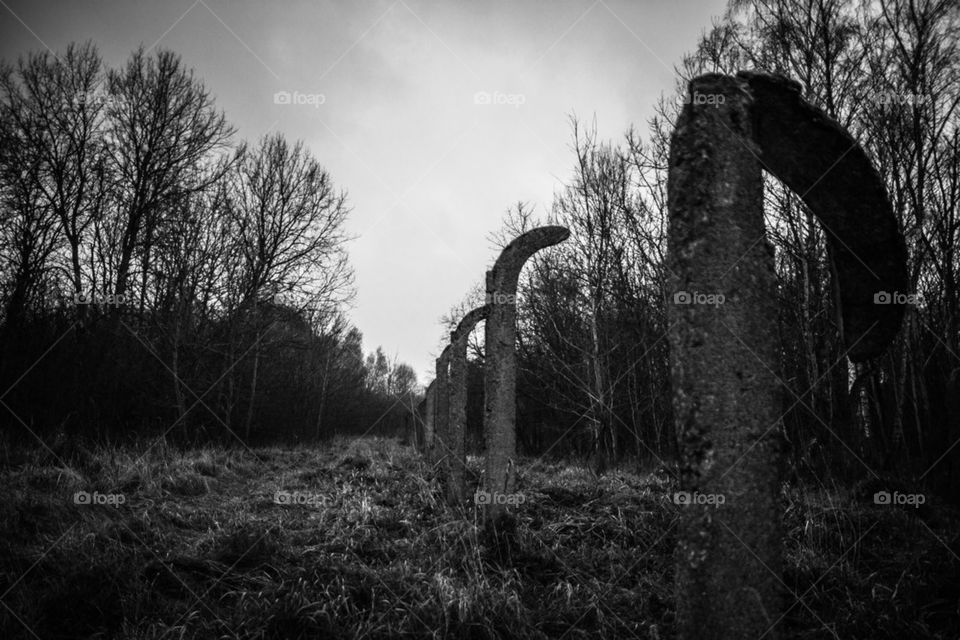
500, 377
456, 479
419, 424
441, 446
723, 318
429, 421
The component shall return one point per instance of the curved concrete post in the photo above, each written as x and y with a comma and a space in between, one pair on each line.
420, 423
500, 378
429, 419
456, 478
723, 318
821, 162
441, 446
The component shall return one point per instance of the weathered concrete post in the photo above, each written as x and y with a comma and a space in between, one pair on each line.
500, 379
429, 420
441, 445
456, 478
419, 424
723, 318
724, 362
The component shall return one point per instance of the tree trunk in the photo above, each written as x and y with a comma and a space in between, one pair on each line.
323, 400
253, 389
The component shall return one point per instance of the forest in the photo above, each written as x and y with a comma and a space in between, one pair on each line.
195, 441
161, 278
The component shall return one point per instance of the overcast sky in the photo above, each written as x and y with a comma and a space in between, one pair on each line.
435, 117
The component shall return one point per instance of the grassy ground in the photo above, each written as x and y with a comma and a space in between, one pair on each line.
365, 548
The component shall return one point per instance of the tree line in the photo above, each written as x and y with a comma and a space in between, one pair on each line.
159, 276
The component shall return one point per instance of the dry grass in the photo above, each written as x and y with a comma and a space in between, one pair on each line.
365, 547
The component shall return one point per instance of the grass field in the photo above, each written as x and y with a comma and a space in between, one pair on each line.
354, 541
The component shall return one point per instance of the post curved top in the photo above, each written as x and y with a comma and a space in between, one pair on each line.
431, 389
468, 322
503, 277
828, 169
444, 358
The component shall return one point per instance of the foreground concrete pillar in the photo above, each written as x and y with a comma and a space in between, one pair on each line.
725, 364
456, 477
500, 377
723, 316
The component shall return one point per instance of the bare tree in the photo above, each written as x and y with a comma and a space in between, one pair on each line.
287, 220
58, 104
163, 132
